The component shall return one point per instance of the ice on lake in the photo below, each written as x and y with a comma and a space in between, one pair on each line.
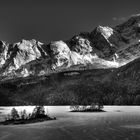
117, 123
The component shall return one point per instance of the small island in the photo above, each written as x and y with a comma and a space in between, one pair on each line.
94, 107
38, 115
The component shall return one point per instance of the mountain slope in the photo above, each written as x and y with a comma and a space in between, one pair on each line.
130, 71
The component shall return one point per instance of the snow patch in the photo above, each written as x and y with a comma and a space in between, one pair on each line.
106, 31
115, 57
25, 72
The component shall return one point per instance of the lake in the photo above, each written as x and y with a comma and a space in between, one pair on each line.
117, 123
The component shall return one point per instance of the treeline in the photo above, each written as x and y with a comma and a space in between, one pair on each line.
85, 95
70, 94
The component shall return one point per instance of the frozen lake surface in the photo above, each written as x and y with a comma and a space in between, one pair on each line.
117, 123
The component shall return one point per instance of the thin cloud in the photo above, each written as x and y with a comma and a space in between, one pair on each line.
122, 19
119, 19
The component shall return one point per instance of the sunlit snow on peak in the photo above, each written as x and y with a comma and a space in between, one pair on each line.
106, 31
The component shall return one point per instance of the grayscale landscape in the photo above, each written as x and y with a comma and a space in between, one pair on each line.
70, 70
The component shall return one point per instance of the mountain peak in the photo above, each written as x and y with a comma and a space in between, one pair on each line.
105, 31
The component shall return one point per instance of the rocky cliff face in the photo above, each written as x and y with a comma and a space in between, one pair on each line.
104, 47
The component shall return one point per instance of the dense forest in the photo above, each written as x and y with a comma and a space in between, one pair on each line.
69, 88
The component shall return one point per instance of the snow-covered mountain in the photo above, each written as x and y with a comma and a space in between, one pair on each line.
104, 47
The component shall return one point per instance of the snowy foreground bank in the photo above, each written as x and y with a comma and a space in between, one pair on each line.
118, 122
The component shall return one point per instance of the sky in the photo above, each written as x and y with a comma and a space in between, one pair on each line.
51, 20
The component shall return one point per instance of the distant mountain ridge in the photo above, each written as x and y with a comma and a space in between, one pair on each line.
104, 47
